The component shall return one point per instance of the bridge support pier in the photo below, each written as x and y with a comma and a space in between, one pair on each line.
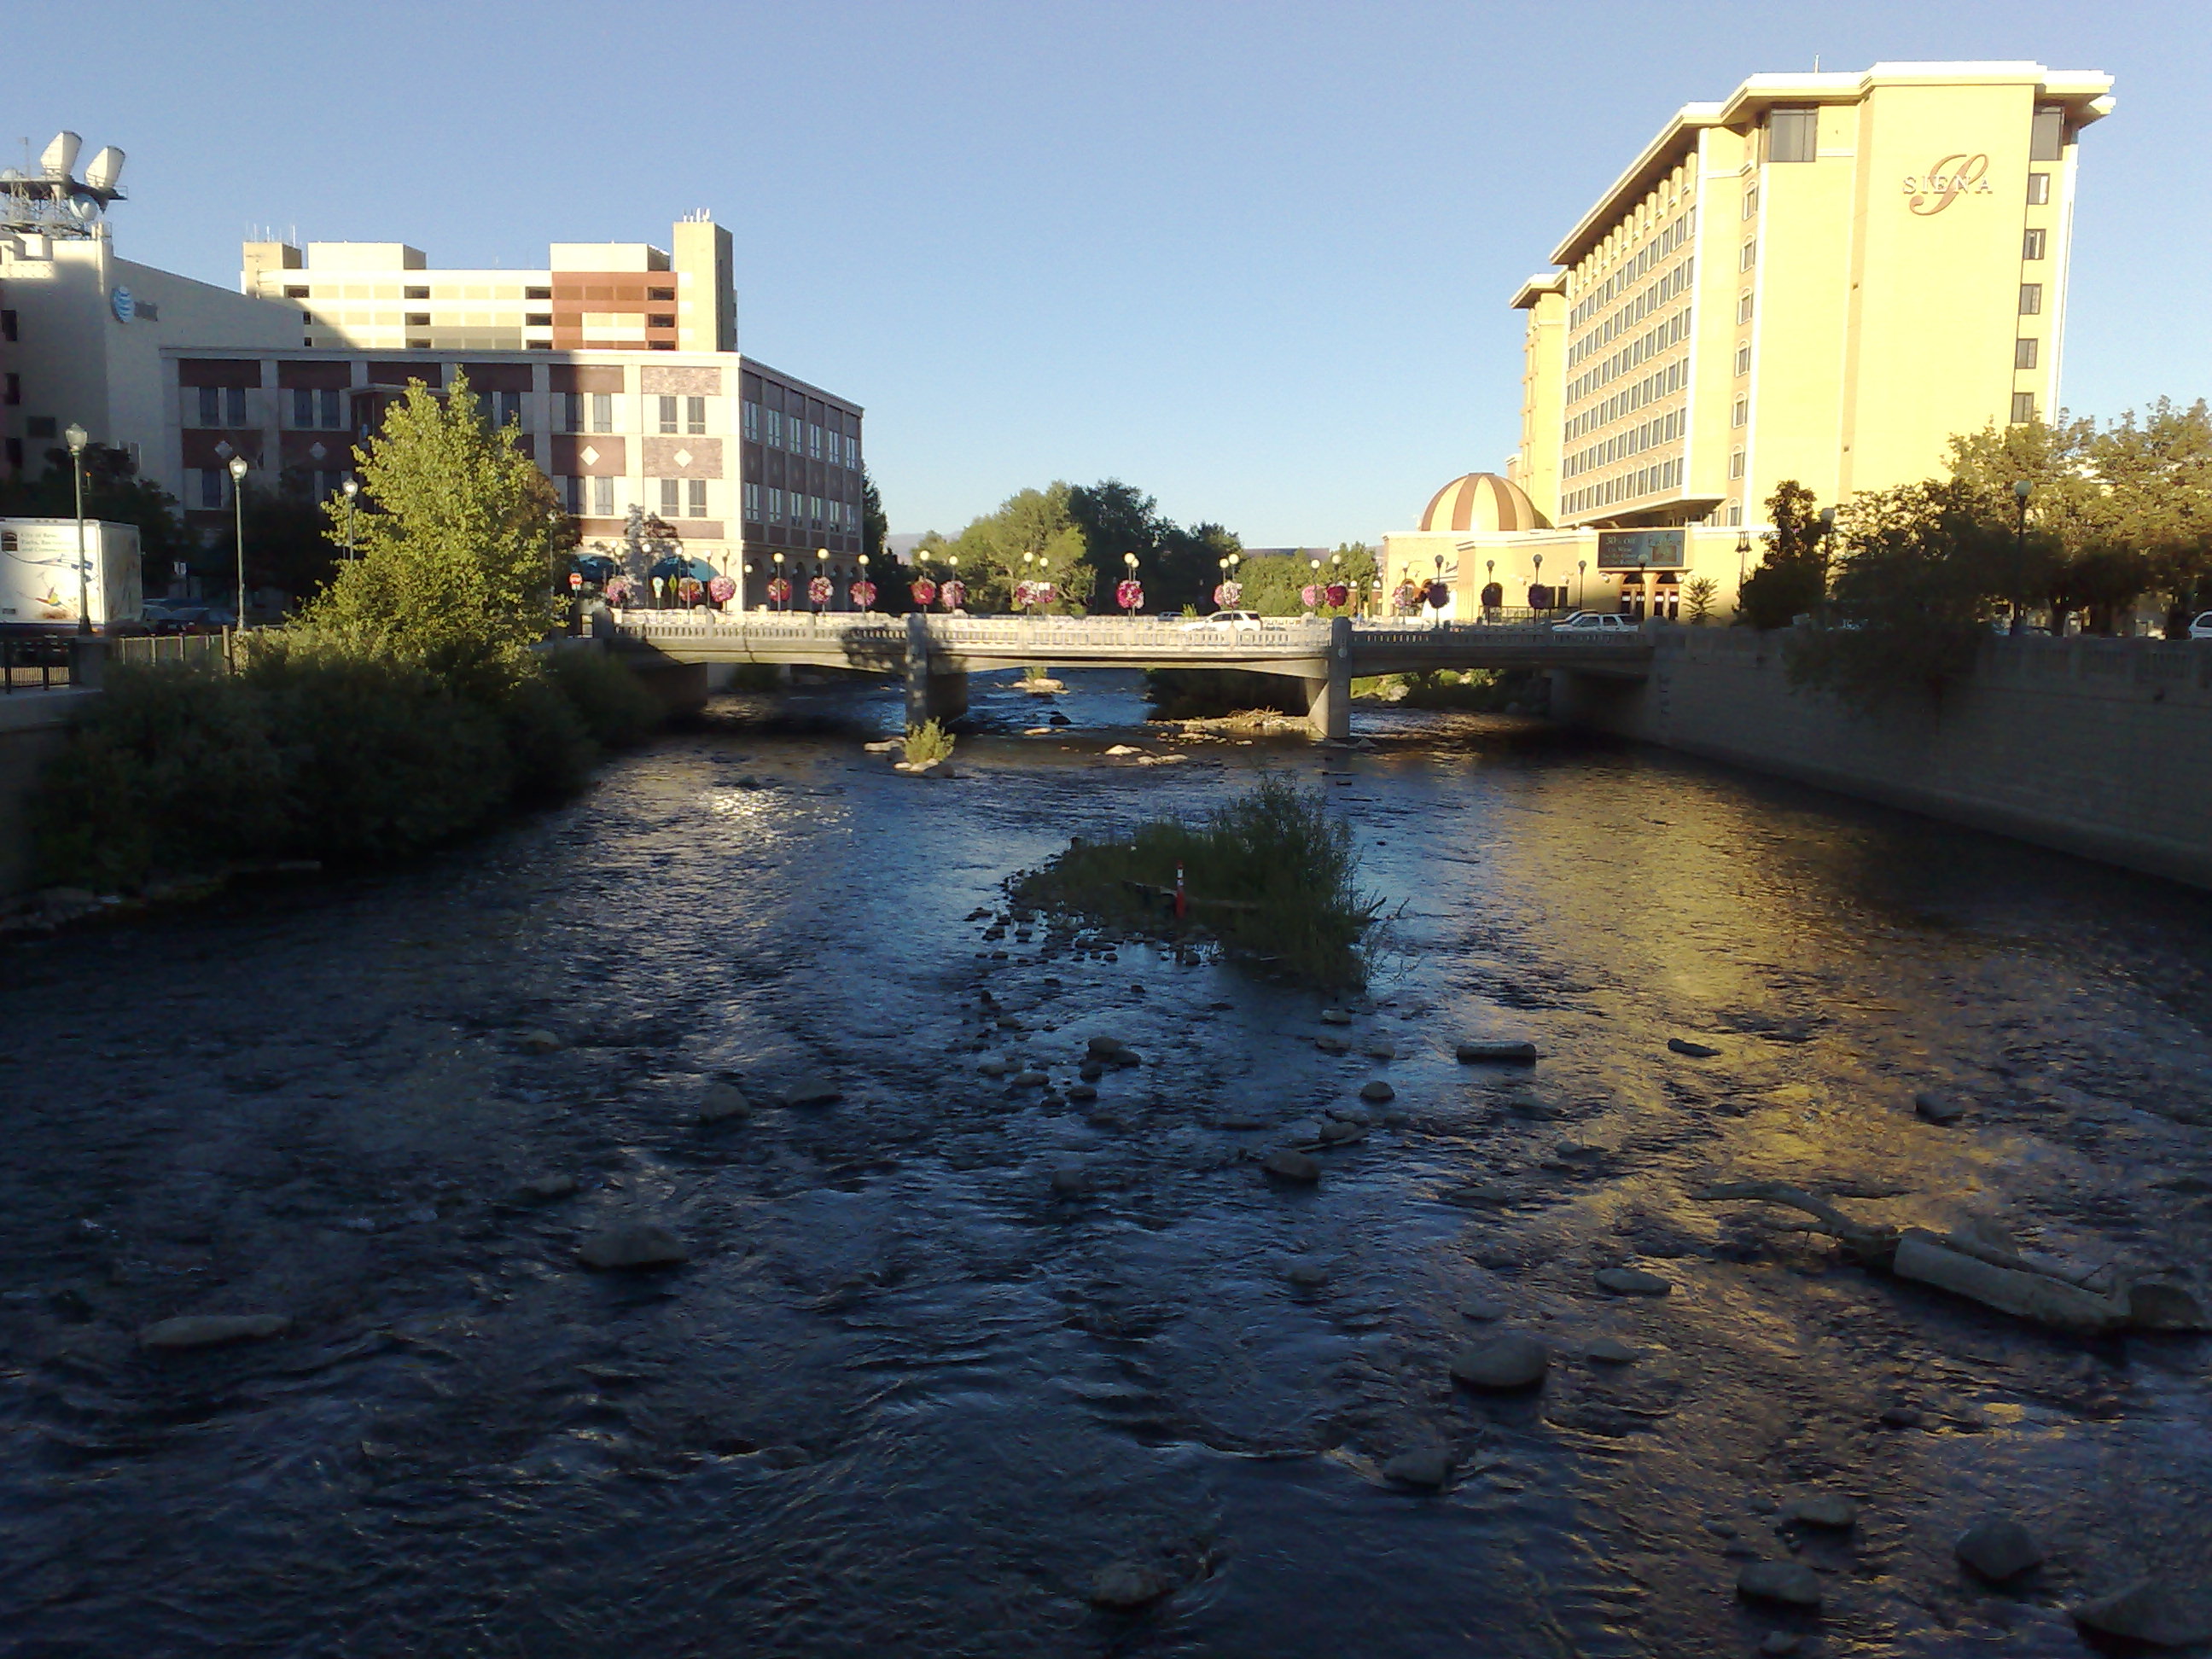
930, 694
1328, 698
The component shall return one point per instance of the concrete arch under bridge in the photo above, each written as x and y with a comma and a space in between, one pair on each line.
934, 655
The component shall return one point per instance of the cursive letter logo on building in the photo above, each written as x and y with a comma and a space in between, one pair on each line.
1946, 182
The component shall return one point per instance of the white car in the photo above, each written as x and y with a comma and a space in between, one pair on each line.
1595, 622
1227, 622
2201, 628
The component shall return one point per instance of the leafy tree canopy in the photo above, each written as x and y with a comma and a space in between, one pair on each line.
457, 538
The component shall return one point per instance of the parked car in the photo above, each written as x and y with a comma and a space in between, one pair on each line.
2201, 628
1225, 622
1595, 622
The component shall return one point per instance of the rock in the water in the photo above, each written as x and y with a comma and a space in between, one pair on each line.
722, 1103
2146, 1611
1083, 1091
1301, 1132
1610, 1351
813, 1091
2159, 1307
1069, 1180
995, 1066
1471, 1053
1338, 1132
1128, 1585
1427, 1467
1104, 1048
1308, 1275
1822, 1509
1482, 1308
1694, 1050
1938, 1108
1031, 1080
633, 1244
1381, 1049
1240, 1121
208, 1330
1091, 1072
537, 1043
1778, 1642
1285, 1164
1789, 1583
1329, 1044
1125, 749
1631, 1281
1999, 1548
1335, 1017
1511, 1359
549, 1186
1378, 1093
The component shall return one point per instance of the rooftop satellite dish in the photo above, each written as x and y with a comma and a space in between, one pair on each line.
84, 206
58, 159
106, 168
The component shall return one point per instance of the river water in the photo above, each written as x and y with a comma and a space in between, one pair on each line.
903, 1399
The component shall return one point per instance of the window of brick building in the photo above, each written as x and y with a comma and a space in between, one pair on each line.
2023, 408
694, 503
695, 415
2031, 299
2031, 244
665, 413
2023, 354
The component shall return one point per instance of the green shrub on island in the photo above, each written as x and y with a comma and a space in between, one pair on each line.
927, 744
1273, 876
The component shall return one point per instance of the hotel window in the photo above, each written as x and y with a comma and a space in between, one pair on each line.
1790, 134
538, 320
418, 319
1743, 360
537, 293
852, 451
1735, 513
2046, 138
671, 497
504, 409
814, 511
602, 498
211, 487
1741, 414
776, 429
2038, 189
752, 500
8, 331
660, 294
603, 411
572, 493
572, 412
312, 409
814, 440
14, 392
1735, 464
1749, 255
752, 419
2023, 354
2023, 408
667, 413
221, 405
1743, 307
1751, 201
2031, 244
775, 503
2031, 299
695, 501
695, 415
414, 294
660, 322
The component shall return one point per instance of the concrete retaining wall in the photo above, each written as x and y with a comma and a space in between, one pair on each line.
2098, 747
33, 725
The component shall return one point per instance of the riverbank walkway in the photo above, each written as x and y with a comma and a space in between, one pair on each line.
935, 655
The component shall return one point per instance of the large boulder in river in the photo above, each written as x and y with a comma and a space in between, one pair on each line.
211, 1330
1510, 1359
633, 1244
2147, 1611
1999, 1548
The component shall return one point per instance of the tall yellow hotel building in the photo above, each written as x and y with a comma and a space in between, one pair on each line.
1821, 277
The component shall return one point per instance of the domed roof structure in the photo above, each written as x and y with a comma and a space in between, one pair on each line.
1482, 501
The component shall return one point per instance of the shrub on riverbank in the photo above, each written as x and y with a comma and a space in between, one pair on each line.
311, 751
1272, 875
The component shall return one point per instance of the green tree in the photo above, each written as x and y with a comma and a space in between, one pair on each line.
459, 536
2158, 469
1032, 537
1790, 580
875, 523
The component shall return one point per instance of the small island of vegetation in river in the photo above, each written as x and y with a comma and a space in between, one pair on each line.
1272, 877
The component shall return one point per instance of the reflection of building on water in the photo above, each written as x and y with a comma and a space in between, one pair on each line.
1822, 277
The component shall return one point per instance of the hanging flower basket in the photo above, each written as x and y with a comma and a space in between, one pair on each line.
721, 590
1405, 596
819, 589
1130, 595
1029, 593
618, 592
779, 590
955, 594
1310, 596
1337, 595
689, 590
863, 592
1226, 596
924, 592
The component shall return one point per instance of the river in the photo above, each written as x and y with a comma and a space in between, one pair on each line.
906, 1399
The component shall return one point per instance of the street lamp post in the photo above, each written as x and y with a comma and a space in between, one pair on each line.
1742, 562
867, 578
1539, 559
352, 488
1129, 564
1827, 543
237, 470
2019, 494
821, 562
1581, 569
783, 605
78, 438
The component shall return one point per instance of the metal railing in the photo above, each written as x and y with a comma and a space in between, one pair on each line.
209, 650
33, 662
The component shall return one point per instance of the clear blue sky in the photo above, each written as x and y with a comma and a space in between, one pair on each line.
1253, 258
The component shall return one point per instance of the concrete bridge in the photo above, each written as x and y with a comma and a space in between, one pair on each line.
936, 654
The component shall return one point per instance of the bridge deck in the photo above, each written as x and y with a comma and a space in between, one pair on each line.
1296, 646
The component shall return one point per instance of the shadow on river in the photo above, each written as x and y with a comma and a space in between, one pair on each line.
904, 1400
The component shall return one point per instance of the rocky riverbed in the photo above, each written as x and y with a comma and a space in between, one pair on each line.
703, 1218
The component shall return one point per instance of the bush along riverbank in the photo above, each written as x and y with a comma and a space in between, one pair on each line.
310, 752
403, 704
1272, 877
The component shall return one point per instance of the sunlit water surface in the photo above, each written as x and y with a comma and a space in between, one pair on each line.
903, 1399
